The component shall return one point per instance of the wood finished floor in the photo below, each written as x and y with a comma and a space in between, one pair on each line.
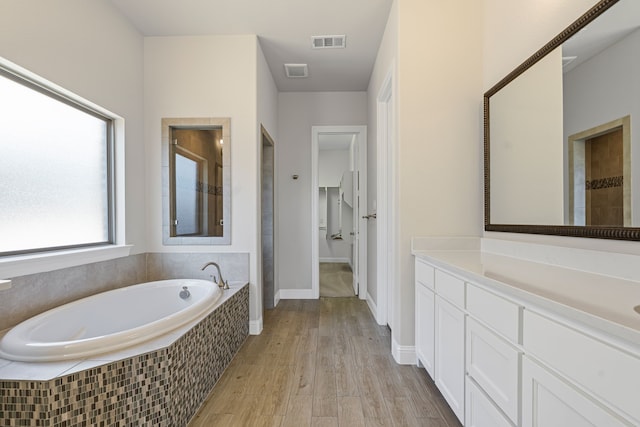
322, 363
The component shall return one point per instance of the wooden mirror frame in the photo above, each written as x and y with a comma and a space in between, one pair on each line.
598, 232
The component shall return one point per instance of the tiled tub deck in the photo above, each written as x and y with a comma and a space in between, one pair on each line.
163, 385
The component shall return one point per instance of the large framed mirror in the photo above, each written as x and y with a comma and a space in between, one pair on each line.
196, 181
560, 153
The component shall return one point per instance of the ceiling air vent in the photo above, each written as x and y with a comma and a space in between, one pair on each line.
296, 71
328, 42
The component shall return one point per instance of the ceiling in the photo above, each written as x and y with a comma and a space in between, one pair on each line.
284, 28
335, 141
619, 21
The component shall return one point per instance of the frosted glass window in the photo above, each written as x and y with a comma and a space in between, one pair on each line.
54, 171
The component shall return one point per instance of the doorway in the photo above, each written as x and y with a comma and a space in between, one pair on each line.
339, 160
599, 173
267, 214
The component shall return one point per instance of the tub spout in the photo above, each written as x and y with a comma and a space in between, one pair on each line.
223, 284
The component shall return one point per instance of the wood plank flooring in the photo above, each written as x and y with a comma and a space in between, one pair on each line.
322, 363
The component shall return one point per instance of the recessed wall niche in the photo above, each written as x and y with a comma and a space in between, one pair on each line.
196, 171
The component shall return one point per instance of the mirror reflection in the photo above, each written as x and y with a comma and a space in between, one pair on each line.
562, 150
196, 182
197, 175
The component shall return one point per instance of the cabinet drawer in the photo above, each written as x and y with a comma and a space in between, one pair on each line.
499, 313
424, 273
480, 411
493, 364
450, 288
610, 374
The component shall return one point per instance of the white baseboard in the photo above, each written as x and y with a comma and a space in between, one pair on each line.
297, 294
276, 299
403, 354
380, 319
255, 327
344, 260
373, 307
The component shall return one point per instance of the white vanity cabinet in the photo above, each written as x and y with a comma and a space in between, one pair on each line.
548, 401
425, 315
493, 356
455, 349
502, 359
440, 331
449, 354
493, 364
480, 411
601, 375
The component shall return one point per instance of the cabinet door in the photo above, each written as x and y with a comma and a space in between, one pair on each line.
450, 355
425, 327
480, 411
548, 401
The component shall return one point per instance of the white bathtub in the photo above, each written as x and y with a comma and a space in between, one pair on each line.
108, 321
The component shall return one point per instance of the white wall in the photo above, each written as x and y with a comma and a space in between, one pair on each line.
434, 51
331, 165
267, 96
297, 113
208, 76
616, 95
91, 50
439, 135
526, 158
512, 32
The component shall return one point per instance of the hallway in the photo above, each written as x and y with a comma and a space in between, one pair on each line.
322, 363
336, 280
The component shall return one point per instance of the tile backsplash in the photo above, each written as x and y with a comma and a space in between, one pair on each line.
161, 265
36, 293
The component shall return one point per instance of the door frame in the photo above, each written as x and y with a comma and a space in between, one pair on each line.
361, 167
266, 142
386, 183
575, 165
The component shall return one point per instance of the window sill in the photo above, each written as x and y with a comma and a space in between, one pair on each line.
39, 263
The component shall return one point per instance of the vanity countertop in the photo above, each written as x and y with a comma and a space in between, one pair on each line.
603, 302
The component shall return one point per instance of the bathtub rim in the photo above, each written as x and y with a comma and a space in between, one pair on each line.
44, 371
127, 346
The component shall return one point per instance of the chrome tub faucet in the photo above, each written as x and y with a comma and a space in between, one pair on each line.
223, 283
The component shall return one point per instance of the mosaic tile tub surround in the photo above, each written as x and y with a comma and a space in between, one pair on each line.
162, 387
